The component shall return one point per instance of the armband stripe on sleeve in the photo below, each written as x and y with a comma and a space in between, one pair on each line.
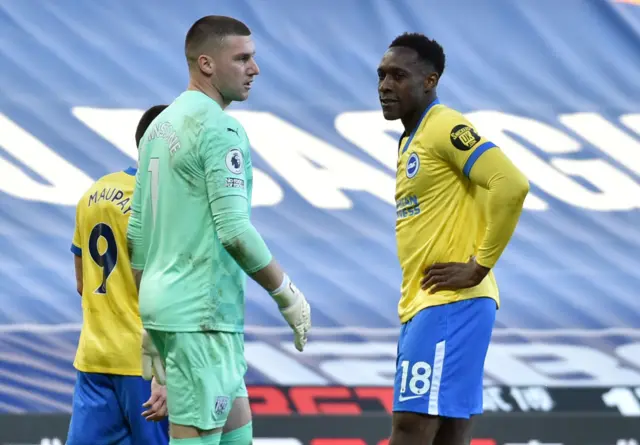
76, 250
475, 155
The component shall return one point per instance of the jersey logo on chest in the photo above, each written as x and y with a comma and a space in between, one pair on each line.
413, 165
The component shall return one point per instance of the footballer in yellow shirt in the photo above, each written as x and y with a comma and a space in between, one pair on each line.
458, 200
109, 392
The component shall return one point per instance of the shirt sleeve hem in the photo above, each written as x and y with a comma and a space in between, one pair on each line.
76, 250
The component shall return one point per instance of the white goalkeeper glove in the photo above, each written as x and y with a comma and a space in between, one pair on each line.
151, 361
295, 310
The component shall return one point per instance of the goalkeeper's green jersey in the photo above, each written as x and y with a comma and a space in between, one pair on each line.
192, 154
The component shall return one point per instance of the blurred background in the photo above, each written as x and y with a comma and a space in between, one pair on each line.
555, 83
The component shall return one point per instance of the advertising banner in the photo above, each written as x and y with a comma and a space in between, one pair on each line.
374, 429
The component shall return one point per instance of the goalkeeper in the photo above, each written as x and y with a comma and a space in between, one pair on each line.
193, 243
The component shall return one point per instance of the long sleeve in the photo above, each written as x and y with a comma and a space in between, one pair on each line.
225, 170
134, 231
486, 165
238, 235
507, 188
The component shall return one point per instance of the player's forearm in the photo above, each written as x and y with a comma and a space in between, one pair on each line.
248, 249
137, 277
77, 262
507, 188
251, 253
243, 242
135, 242
269, 277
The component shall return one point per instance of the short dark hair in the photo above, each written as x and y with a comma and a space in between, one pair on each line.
211, 28
428, 49
146, 119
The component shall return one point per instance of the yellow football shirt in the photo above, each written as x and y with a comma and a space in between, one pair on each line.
110, 337
441, 214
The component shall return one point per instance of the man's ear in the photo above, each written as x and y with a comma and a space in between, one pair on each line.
431, 81
206, 64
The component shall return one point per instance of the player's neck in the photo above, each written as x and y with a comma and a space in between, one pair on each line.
411, 121
208, 89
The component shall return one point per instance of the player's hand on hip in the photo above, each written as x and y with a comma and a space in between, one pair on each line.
157, 403
152, 365
453, 276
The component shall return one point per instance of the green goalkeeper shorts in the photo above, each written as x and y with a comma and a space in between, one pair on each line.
205, 373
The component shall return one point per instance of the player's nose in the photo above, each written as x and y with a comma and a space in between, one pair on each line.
384, 85
254, 69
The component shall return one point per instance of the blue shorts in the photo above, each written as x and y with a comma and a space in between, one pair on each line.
107, 409
440, 364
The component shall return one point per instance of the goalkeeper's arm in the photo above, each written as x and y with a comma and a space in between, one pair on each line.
134, 237
244, 243
246, 246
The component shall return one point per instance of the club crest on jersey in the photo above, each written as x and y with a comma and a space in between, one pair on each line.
222, 403
234, 161
463, 137
413, 165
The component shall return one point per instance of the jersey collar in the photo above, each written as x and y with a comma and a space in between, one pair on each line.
131, 171
413, 133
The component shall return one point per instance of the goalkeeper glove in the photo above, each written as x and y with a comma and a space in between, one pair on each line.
151, 361
295, 310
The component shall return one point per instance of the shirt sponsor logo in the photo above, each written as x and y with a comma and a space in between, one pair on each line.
407, 206
463, 137
234, 183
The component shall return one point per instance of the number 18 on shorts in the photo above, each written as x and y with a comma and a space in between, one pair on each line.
441, 354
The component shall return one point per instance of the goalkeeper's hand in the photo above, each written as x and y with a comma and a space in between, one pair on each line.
151, 361
295, 310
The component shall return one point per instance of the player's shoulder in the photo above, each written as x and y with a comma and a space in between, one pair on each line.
226, 132
203, 115
112, 186
442, 118
86, 195
222, 126
449, 126
436, 123
191, 111
123, 179
199, 107
234, 131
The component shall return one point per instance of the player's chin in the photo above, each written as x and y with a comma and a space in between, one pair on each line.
390, 113
241, 96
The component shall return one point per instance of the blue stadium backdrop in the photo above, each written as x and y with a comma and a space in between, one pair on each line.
554, 83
